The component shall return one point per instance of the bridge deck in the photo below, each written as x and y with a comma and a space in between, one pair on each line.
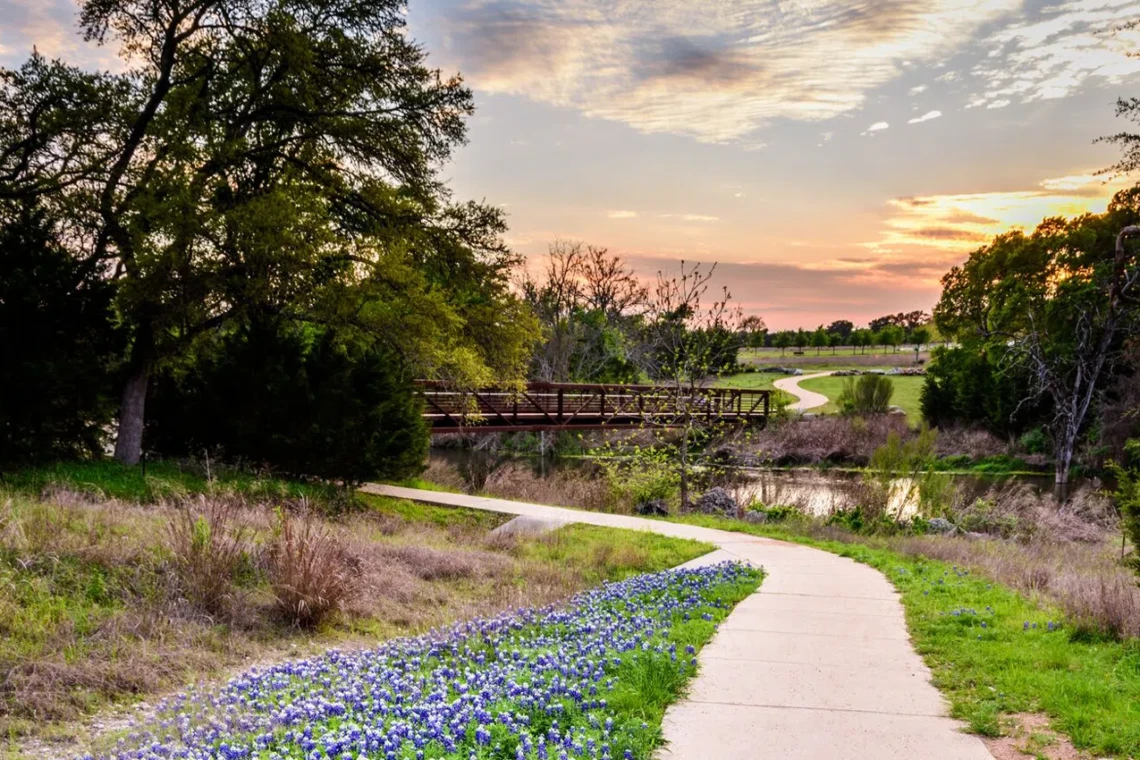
572, 406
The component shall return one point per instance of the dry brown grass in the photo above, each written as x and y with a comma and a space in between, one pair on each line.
516, 480
208, 546
1086, 580
826, 439
311, 571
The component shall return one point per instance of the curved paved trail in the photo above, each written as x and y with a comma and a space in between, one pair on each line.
807, 399
817, 664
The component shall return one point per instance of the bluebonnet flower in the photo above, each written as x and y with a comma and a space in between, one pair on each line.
531, 683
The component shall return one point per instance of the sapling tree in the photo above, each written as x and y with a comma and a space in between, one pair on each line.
691, 338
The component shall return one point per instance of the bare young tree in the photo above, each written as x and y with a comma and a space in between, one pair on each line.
588, 301
691, 339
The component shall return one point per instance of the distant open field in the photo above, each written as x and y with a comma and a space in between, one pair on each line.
825, 360
907, 395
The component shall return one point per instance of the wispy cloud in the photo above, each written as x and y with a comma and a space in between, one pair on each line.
951, 225
50, 27
1058, 48
878, 126
715, 71
925, 117
691, 217
621, 214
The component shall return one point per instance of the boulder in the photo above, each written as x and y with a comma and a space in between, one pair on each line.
524, 525
755, 517
941, 526
652, 508
716, 501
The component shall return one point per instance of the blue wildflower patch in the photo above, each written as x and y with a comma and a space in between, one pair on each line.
588, 679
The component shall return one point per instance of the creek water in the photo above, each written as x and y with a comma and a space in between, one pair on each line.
816, 491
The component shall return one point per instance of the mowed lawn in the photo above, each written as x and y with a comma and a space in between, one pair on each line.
907, 395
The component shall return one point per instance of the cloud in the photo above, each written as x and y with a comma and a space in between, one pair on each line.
621, 214
1051, 52
878, 126
925, 117
948, 226
691, 217
917, 90
795, 295
50, 27
714, 71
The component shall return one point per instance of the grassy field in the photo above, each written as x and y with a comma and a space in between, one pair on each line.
908, 391
101, 602
997, 654
907, 395
843, 357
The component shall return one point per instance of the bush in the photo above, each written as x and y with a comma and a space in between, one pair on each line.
311, 573
965, 386
208, 550
1035, 441
298, 400
58, 346
866, 394
1127, 498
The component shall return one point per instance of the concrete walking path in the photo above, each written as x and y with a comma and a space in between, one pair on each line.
806, 399
817, 665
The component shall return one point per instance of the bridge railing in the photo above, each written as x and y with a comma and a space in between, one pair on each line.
543, 406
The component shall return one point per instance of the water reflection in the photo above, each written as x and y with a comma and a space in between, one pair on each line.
818, 492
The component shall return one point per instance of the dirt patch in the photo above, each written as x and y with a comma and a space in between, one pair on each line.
1029, 735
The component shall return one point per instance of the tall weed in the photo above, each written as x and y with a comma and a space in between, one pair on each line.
310, 570
209, 547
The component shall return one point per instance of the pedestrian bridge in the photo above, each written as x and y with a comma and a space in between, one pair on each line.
575, 406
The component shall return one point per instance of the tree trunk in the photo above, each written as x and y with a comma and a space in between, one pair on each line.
132, 417
1064, 458
684, 469
132, 409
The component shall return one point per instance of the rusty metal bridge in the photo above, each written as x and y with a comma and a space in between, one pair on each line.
572, 406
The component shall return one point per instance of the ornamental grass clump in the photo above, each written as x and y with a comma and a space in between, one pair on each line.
589, 679
310, 571
209, 548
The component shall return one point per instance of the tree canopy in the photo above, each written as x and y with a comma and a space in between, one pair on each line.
1055, 305
264, 158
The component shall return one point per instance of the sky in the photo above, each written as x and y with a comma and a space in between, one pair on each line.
833, 158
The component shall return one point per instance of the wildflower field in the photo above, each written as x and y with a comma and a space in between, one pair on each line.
589, 679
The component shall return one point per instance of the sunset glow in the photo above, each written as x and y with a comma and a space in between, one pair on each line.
808, 147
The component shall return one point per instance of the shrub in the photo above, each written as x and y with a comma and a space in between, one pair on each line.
1127, 498
965, 386
866, 394
306, 403
58, 346
209, 549
311, 572
1035, 441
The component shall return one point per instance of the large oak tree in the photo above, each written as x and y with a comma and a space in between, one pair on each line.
264, 156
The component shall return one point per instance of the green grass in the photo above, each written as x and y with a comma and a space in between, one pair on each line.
843, 357
428, 514
750, 380
608, 554
160, 479
973, 635
907, 395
